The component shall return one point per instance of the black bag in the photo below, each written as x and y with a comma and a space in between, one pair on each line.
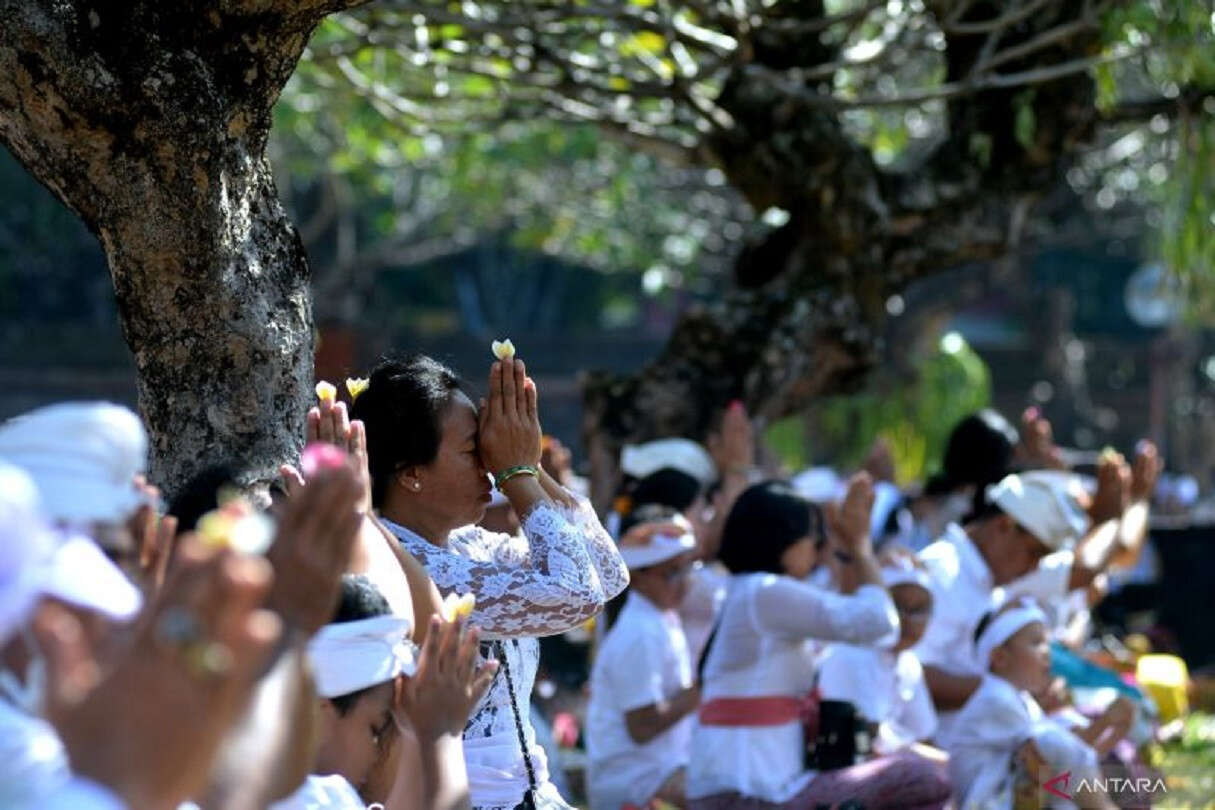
840, 739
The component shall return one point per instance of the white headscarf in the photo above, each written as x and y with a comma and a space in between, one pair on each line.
349, 656
82, 456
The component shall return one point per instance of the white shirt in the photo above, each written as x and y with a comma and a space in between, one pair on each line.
886, 688
961, 593
551, 580
1047, 584
761, 650
333, 792
79, 794
33, 762
706, 592
644, 661
990, 728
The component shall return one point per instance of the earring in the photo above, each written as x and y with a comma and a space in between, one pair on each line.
417, 486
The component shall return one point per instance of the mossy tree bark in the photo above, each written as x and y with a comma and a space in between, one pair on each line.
150, 121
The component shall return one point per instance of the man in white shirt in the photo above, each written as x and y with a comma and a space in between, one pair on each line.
643, 692
1025, 518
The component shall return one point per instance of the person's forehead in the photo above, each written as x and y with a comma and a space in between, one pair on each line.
377, 700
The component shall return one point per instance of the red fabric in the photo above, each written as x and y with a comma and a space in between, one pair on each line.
752, 711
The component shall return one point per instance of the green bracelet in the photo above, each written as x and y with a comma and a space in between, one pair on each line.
511, 472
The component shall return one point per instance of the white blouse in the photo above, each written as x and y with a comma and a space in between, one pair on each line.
551, 580
886, 688
761, 650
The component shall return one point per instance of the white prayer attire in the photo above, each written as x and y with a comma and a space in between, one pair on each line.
79, 793
886, 688
551, 580
644, 661
332, 792
961, 593
33, 762
993, 724
707, 588
761, 650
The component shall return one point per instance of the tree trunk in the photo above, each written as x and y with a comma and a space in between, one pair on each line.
150, 121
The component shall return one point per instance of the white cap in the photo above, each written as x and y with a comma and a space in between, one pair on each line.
82, 456
1044, 504
685, 455
37, 561
819, 484
24, 540
349, 656
78, 572
649, 544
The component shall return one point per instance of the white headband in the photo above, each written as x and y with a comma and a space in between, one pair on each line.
349, 656
661, 547
906, 574
1002, 628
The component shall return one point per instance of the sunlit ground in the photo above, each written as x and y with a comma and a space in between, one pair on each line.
1189, 766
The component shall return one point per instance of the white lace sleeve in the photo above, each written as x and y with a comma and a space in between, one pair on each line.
552, 581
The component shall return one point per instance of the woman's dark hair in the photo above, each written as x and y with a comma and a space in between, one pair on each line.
360, 599
666, 487
979, 452
401, 410
767, 519
200, 495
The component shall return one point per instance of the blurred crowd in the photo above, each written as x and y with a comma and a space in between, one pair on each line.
367, 630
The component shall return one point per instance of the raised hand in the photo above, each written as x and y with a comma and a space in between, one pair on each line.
849, 519
732, 446
192, 664
1145, 471
329, 422
312, 547
450, 681
1037, 448
509, 421
1113, 488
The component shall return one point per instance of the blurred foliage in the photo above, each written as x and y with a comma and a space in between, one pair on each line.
1165, 165
914, 418
576, 130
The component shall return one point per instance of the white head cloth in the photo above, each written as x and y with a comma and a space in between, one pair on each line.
685, 455
1004, 626
1044, 503
905, 572
660, 547
25, 541
349, 656
819, 484
82, 456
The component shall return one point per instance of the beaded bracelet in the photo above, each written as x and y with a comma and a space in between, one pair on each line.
511, 472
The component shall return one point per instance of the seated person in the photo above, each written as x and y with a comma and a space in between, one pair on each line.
642, 688
370, 679
1001, 727
887, 685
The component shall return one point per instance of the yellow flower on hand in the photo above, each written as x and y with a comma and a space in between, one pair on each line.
326, 391
457, 607
356, 386
237, 526
503, 349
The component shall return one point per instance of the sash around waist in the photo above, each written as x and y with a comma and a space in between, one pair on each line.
742, 712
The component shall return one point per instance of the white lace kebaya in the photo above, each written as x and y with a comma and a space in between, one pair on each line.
561, 573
